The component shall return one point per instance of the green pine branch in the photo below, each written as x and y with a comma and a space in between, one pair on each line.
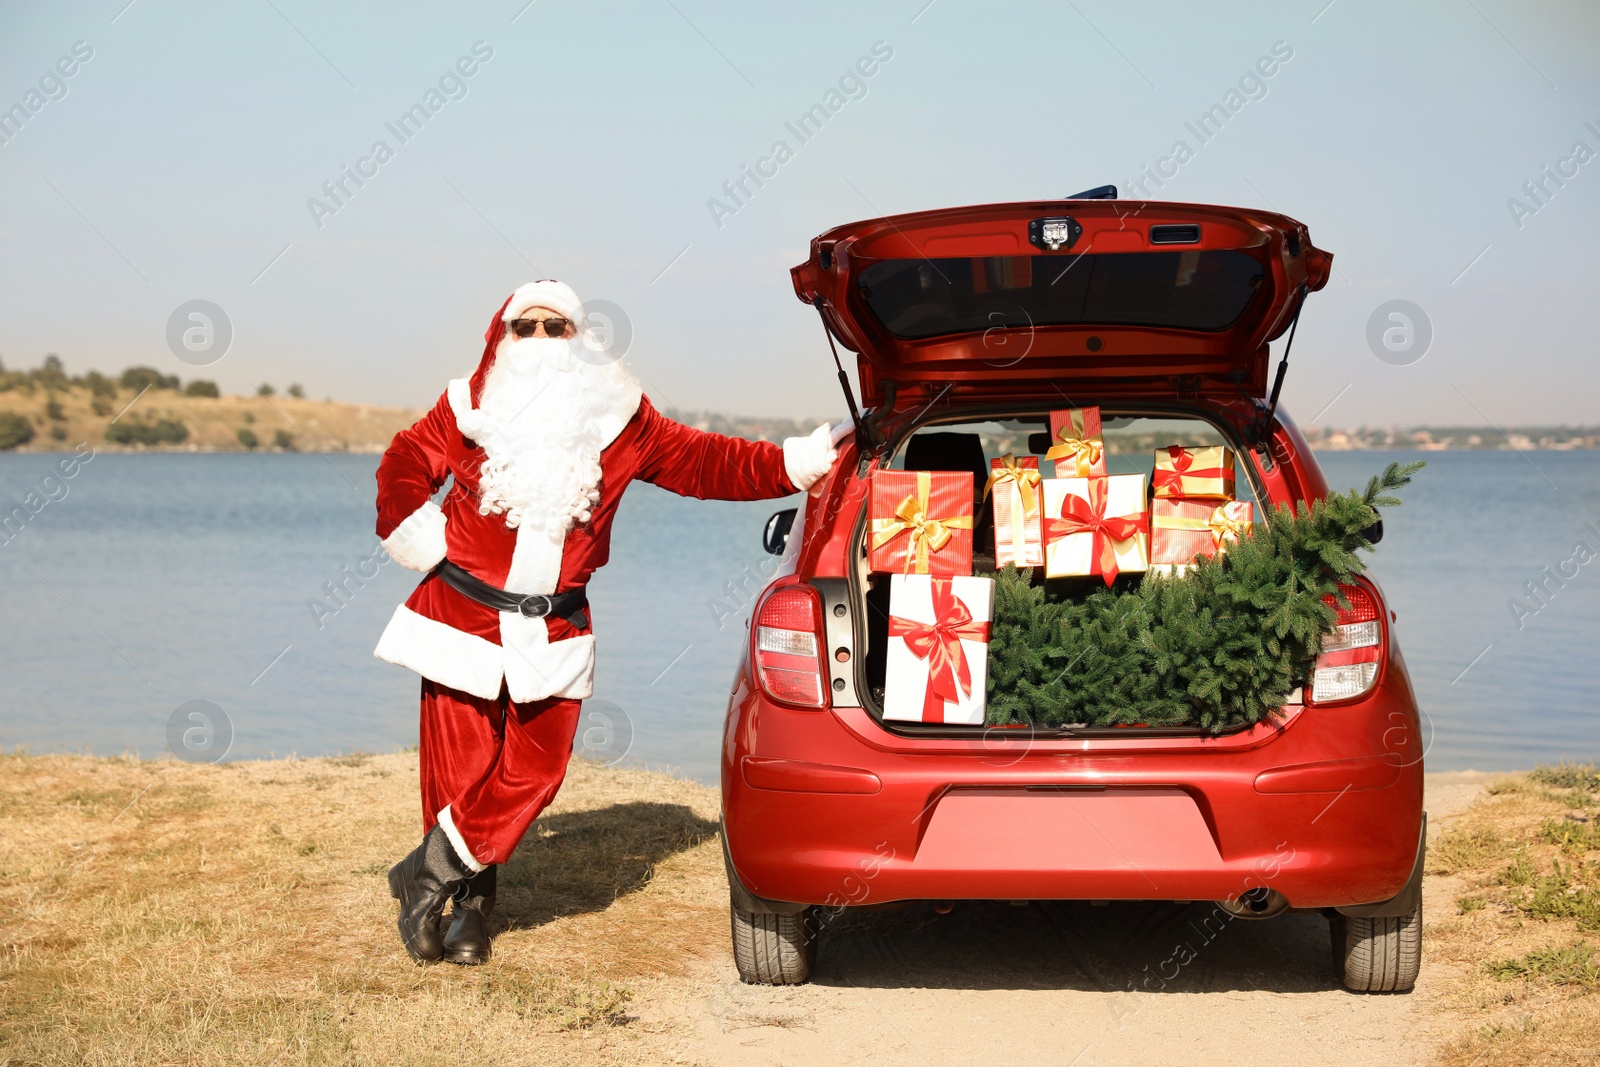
1221, 645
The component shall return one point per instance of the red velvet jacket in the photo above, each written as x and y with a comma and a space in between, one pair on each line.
460, 643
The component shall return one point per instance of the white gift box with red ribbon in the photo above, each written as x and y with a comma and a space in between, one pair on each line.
938, 654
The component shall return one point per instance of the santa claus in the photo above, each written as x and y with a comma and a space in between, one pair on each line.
541, 442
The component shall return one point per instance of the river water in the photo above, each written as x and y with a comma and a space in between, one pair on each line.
151, 581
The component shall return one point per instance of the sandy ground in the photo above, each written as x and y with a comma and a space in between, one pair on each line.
1046, 984
221, 916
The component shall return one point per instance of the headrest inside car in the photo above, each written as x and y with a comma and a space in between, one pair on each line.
948, 452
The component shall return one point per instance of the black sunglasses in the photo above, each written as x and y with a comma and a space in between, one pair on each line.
553, 327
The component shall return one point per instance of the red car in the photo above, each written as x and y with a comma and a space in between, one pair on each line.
970, 325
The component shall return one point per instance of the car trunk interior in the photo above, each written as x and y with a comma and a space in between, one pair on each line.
1131, 439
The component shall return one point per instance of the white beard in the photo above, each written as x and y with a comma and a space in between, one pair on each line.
543, 420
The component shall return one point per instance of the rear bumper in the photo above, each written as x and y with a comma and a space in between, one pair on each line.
1325, 809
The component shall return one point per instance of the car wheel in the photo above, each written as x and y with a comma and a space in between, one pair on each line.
1378, 955
773, 949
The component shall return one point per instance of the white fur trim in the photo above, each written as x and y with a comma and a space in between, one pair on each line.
532, 666
418, 543
546, 293
440, 652
459, 393
805, 459
616, 420
535, 562
459, 843
537, 668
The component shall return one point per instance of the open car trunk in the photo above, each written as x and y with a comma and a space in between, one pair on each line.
967, 443
1104, 297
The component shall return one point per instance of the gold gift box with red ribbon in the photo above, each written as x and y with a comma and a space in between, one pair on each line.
936, 663
1077, 447
919, 522
1095, 526
1182, 531
1194, 473
1018, 504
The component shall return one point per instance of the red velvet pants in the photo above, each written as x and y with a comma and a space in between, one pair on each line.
496, 764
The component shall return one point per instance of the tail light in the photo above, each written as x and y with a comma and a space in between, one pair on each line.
1348, 665
788, 647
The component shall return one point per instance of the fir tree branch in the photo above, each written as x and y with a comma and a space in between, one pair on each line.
1219, 646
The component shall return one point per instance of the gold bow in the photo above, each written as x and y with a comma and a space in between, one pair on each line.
927, 534
1026, 480
1220, 525
1085, 450
1223, 527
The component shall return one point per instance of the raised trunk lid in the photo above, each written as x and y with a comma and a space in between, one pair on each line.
1100, 297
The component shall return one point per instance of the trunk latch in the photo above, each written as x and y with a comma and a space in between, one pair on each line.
1053, 234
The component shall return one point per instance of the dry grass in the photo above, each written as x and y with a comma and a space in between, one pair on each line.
157, 912
214, 423
1523, 945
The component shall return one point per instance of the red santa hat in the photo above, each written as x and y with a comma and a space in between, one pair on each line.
546, 293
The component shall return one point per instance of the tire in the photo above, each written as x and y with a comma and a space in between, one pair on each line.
1378, 955
773, 949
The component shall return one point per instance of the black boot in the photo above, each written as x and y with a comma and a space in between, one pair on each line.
422, 882
467, 940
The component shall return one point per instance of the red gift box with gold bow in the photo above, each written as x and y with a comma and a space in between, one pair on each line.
1018, 503
938, 653
1076, 446
919, 522
1181, 530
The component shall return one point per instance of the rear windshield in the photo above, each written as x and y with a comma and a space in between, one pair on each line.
1191, 290
1131, 441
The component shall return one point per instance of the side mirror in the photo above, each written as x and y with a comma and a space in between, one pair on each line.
1374, 533
775, 538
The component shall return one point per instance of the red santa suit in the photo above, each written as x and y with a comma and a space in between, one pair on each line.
501, 691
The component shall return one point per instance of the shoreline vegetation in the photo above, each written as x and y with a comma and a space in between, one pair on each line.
142, 410
236, 913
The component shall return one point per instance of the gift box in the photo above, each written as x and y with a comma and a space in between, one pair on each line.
919, 522
1018, 502
1203, 473
938, 653
1095, 526
1076, 446
1183, 530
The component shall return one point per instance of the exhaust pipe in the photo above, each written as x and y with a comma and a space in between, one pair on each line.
1258, 903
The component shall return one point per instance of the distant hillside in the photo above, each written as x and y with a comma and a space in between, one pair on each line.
44, 412
45, 409
1455, 438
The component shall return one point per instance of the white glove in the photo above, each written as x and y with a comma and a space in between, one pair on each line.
418, 543
806, 459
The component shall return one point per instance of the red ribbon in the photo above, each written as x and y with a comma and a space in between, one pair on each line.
939, 642
1089, 516
1172, 479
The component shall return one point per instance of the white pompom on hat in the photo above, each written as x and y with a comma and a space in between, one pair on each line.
545, 293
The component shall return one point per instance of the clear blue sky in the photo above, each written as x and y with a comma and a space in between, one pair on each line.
179, 162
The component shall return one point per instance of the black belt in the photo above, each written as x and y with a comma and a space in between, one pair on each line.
568, 605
